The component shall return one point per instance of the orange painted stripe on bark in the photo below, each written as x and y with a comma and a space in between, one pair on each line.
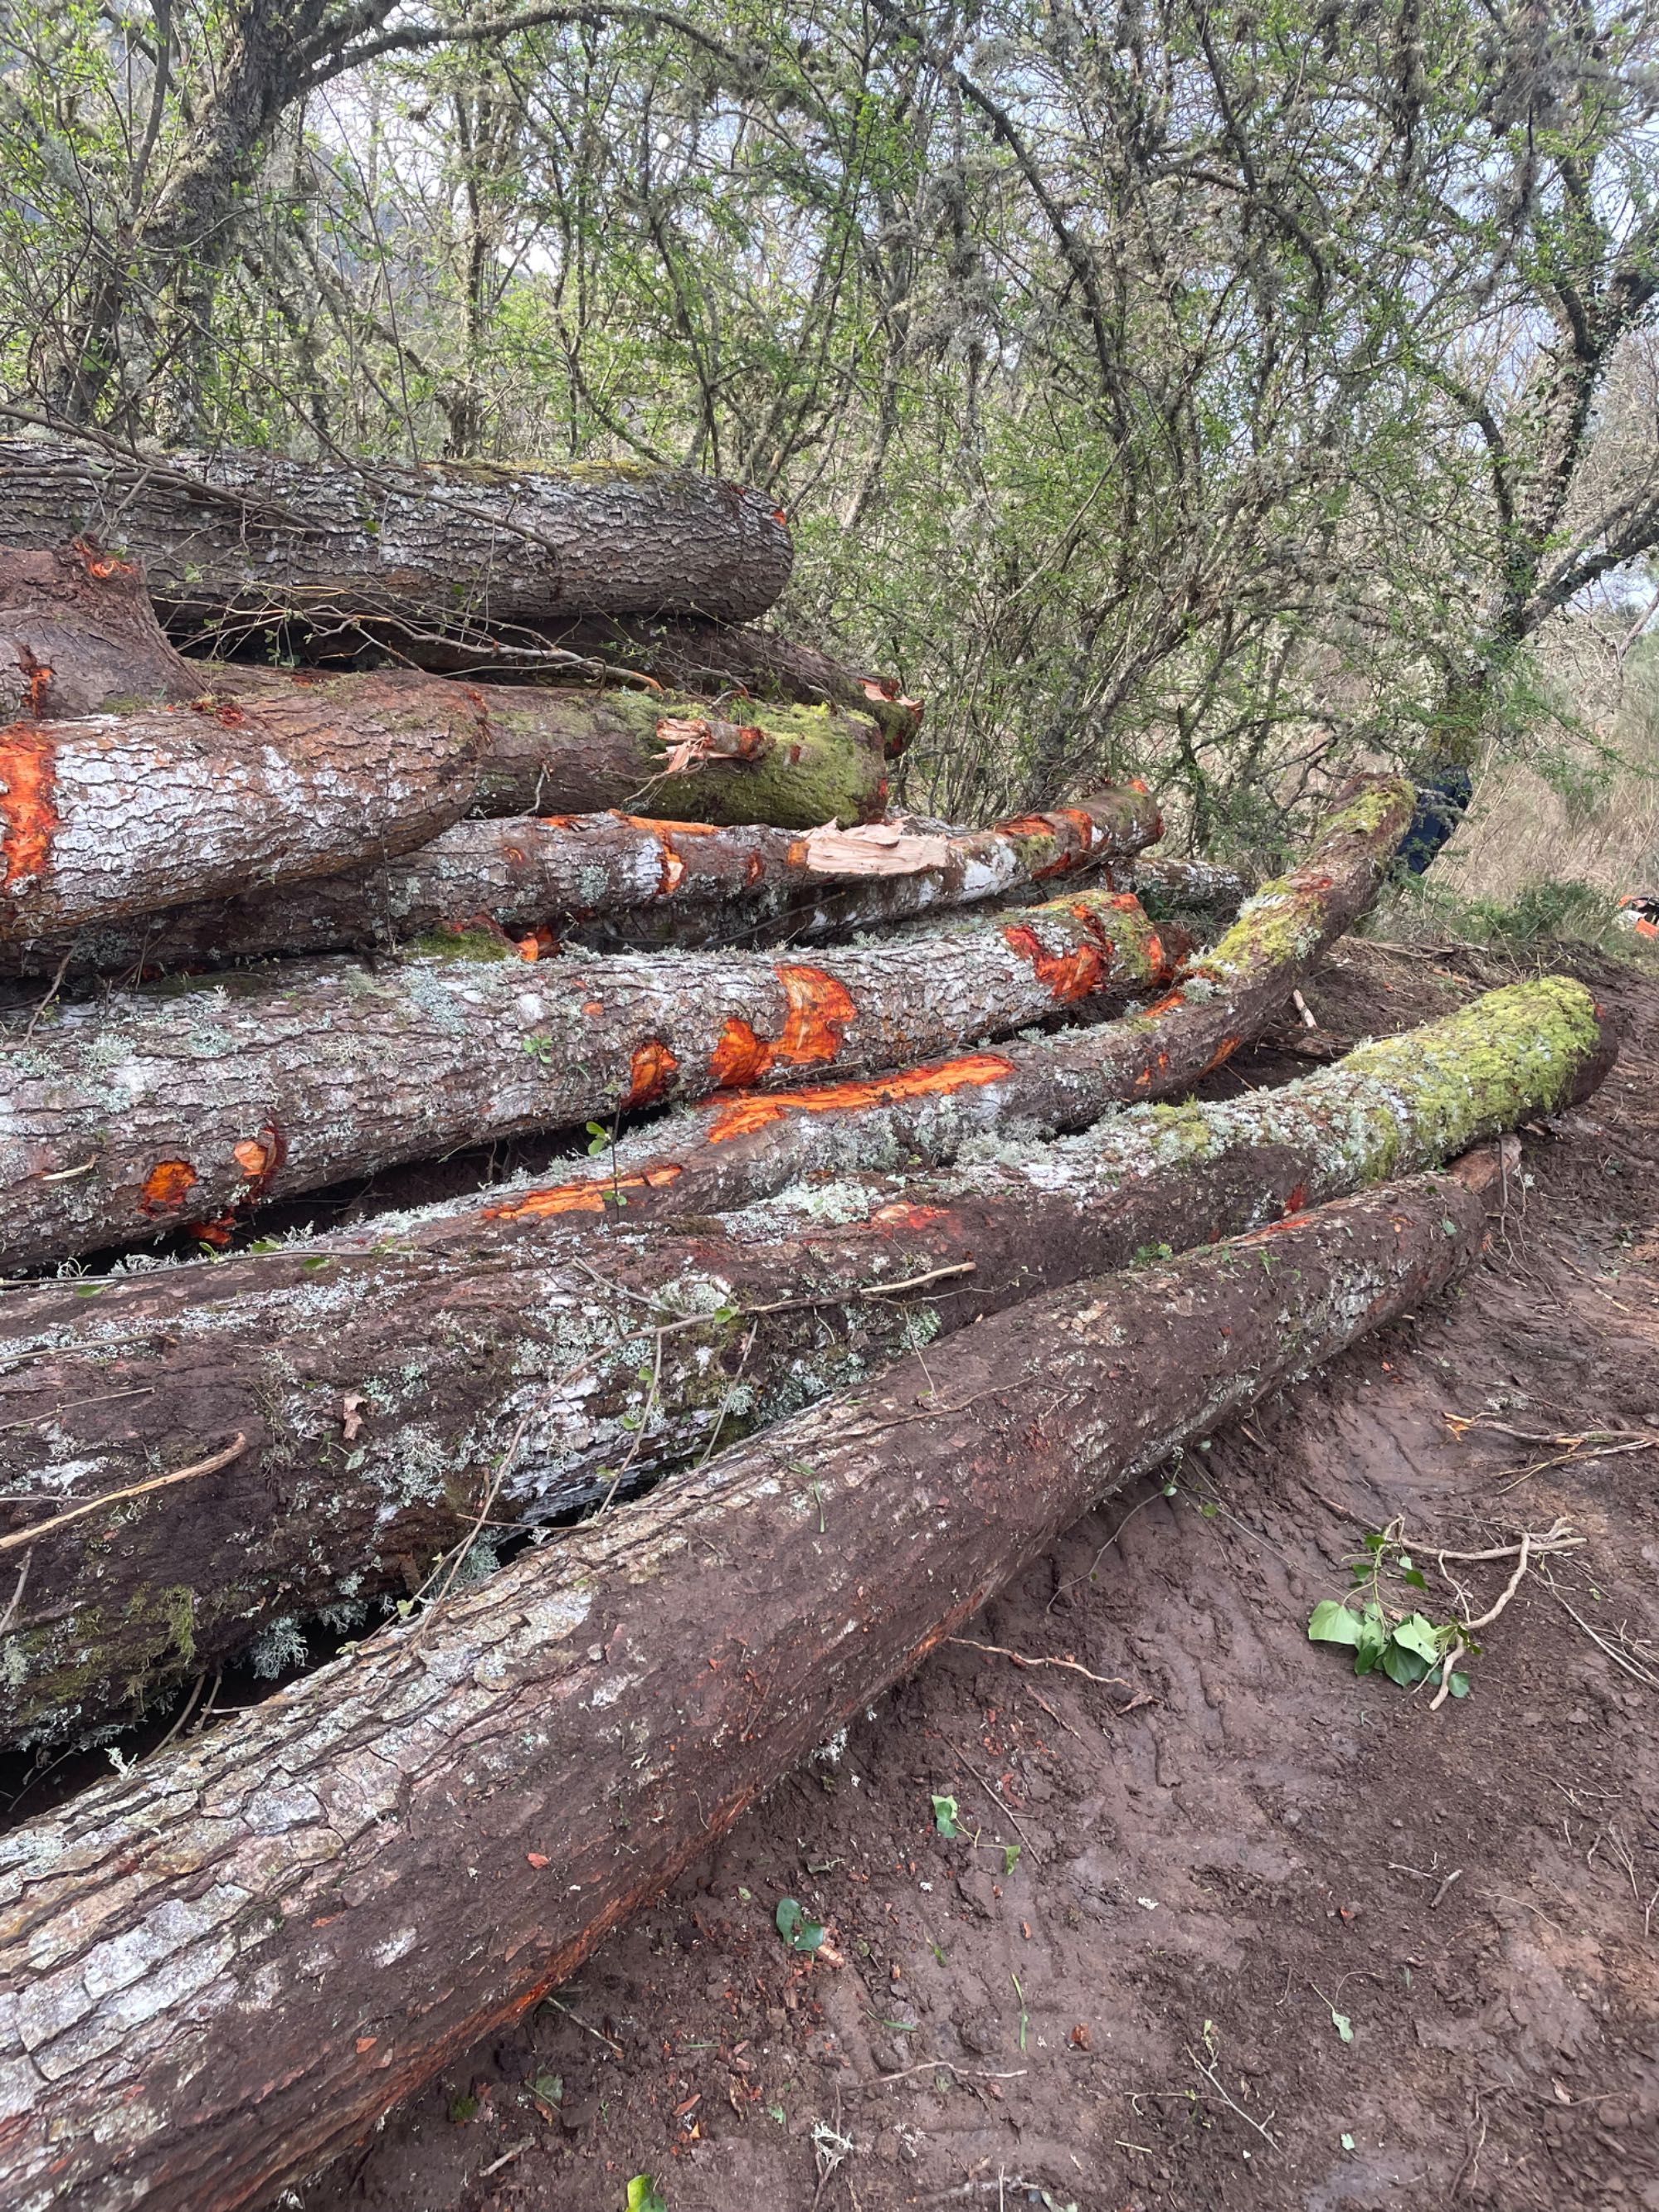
743, 1116
1068, 976
168, 1184
649, 1072
818, 1009
580, 1197
27, 777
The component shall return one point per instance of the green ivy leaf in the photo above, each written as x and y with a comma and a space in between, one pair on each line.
797, 1929
1403, 1665
1416, 1634
945, 1810
1010, 1857
1332, 1622
644, 2195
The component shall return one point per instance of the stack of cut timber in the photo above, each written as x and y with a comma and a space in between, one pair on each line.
266, 929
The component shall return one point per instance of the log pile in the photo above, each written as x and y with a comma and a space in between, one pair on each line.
838, 1326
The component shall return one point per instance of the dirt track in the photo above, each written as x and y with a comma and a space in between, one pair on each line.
1224, 1847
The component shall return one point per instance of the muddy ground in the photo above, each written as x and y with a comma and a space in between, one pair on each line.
1274, 1936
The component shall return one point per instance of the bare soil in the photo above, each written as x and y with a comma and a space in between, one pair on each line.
1275, 1935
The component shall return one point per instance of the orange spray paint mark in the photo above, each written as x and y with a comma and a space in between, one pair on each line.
101, 565
27, 775
39, 682
1068, 976
739, 1058
168, 1184
649, 1073
902, 1214
580, 1197
743, 1116
814, 1028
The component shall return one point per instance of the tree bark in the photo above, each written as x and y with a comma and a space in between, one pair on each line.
79, 636
734, 1151
377, 1392
699, 656
613, 875
707, 658
277, 778
230, 1961
143, 1112
253, 540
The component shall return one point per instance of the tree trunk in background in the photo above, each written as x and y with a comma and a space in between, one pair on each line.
278, 777
254, 539
693, 885
736, 1151
142, 1113
345, 1378
305, 1912
79, 636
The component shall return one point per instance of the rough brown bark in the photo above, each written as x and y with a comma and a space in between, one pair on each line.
78, 636
734, 1151
377, 1394
691, 883
277, 778
231, 1961
146, 1111
257, 539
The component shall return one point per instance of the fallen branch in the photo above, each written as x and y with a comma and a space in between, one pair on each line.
306, 1911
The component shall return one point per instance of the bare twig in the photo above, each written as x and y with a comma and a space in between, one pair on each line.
1020, 1659
19, 1537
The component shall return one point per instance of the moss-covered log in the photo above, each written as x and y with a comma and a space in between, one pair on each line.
383, 1396
736, 1151
79, 636
230, 1960
704, 658
259, 538
610, 876
151, 1109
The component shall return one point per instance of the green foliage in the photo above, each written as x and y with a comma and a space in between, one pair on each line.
798, 1931
945, 1813
1405, 1645
644, 2195
1208, 389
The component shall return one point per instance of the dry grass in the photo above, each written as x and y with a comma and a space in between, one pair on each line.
1591, 818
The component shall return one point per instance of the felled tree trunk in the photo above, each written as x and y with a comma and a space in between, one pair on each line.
695, 884
699, 656
79, 636
532, 1386
304, 1914
145, 1112
276, 778
257, 539
736, 1151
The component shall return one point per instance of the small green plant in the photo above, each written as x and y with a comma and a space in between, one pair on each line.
540, 1047
946, 1812
798, 1931
1379, 1628
644, 2195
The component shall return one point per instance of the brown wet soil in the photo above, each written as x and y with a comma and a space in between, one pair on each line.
1226, 1926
